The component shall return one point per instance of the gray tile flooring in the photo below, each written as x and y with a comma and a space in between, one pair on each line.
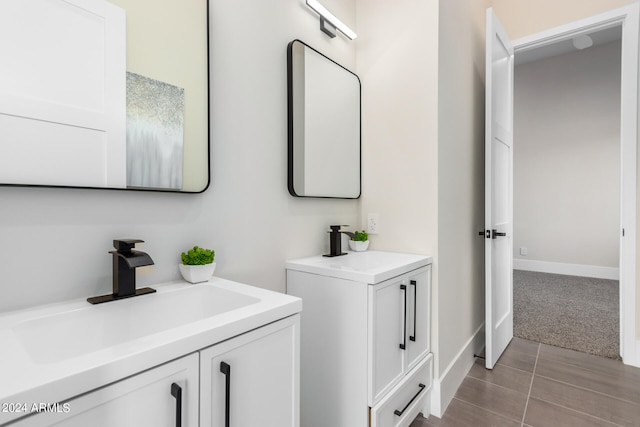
539, 385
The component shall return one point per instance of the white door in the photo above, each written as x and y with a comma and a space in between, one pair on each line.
498, 191
63, 93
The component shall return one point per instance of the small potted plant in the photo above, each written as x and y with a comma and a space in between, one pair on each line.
359, 242
197, 264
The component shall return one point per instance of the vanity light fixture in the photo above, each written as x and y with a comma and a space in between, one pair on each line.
328, 22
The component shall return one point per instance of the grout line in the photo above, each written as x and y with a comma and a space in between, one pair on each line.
601, 393
514, 368
491, 384
585, 364
608, 422
533, 374
483, 409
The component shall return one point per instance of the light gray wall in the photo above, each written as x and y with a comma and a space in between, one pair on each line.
422, 70
461, 93
397, 63
567, 158
54, 242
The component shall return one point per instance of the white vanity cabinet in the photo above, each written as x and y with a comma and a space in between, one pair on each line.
252, 380
398, 329
365, 338
249, 380
218, 353
158, 397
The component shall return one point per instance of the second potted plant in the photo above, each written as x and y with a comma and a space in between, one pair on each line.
360, 241
197, 264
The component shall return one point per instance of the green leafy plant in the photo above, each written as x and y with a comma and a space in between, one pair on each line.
198, 256
360, 236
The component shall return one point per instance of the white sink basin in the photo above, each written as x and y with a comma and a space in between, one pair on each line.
368, 267
50, 353
78, 331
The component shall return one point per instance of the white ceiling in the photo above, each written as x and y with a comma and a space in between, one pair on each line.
599, 37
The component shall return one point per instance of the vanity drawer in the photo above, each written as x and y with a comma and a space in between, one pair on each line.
406, 400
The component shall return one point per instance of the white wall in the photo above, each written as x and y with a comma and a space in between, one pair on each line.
54, 242
567, 158
396, 62
422, 71
525, 17
460, 298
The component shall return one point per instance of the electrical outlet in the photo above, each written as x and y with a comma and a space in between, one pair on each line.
373, 223
523, 251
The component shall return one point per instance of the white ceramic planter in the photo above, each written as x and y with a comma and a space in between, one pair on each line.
197, 273
358, 246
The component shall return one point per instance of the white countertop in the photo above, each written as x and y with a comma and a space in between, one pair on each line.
368, 267
32, 377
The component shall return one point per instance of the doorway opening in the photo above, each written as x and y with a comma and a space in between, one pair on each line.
567, 176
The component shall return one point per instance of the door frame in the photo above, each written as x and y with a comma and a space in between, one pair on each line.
628, 17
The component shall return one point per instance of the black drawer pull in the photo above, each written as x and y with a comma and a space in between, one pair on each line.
225, 368
399, 413
403, 345
415, 308
176, 391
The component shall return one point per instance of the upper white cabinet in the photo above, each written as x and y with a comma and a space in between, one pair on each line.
62, 93
365, 338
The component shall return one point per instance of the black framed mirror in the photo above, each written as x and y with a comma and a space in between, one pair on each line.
105, 94
324, 126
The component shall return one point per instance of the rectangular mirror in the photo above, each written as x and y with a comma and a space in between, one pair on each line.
105, 94
324, 126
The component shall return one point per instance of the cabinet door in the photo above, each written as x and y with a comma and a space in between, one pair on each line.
153, 398
253, 379
387, 336
418, 315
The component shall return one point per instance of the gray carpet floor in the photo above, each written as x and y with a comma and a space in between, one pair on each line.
578, 313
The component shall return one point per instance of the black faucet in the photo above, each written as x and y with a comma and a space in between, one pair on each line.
125, 262
335, 240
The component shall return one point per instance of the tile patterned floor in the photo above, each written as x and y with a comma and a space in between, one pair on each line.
539, 385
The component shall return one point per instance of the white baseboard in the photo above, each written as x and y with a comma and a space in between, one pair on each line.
445, 386
581, 270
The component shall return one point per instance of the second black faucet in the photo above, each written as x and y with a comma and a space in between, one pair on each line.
335, 240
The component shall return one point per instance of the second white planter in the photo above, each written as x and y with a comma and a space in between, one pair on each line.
358, 246
197, 273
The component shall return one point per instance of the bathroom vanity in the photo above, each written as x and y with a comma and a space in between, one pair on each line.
213, 354
366, 357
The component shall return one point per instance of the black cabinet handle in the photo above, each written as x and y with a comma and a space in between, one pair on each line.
176, 391
399, 413
415, 306
225, 368
404, 330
